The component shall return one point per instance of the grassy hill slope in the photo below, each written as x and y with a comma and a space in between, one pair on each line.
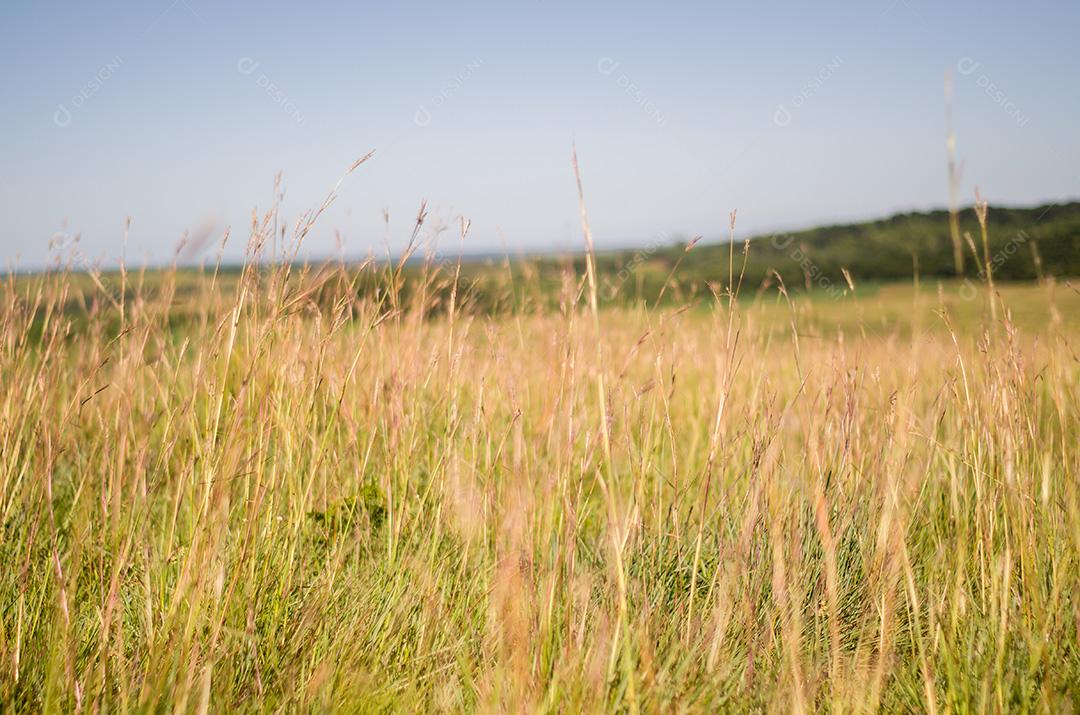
1023, 244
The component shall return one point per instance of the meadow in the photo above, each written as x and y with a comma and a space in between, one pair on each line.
358, 488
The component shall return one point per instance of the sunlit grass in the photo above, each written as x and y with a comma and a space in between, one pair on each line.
306, 496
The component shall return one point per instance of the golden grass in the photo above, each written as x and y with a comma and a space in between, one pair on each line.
302, 497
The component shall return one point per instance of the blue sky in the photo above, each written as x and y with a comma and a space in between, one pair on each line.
179, 113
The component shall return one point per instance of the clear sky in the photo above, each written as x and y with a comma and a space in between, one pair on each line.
179, 113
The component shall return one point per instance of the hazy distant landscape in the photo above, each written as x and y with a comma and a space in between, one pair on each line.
1024, 244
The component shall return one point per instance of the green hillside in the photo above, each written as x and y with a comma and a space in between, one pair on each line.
1023, 243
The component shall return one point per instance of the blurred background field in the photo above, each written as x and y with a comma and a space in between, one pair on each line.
488, 486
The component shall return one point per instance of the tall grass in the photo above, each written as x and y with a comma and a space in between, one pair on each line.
278, 492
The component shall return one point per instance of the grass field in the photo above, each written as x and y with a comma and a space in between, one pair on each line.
272, 491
